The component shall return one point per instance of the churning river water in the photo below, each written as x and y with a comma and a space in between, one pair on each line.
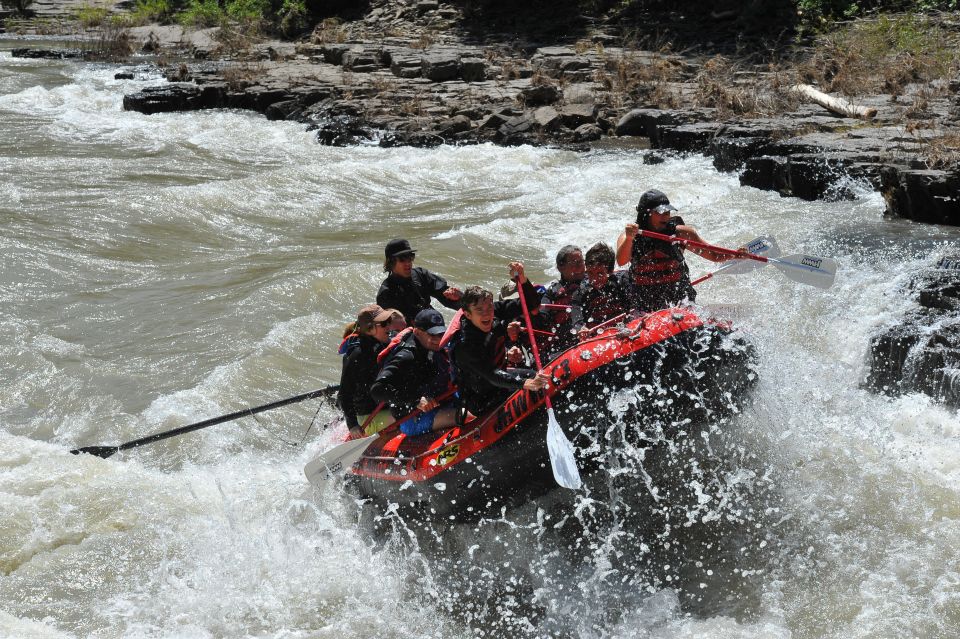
158, 270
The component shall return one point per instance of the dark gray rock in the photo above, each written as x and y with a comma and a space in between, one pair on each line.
517, 130
473, 69
47, 54
539, 95
547, 118
922, 352
440, 67
405, 66
175, 97
923, 195
361, 61
456, 124
587, 133
575, 115
333, 53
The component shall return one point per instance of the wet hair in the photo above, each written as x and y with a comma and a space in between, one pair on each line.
600, 253
350, 329
566, 252
388, 264
474, 295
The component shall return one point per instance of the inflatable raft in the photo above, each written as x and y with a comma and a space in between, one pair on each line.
670, 365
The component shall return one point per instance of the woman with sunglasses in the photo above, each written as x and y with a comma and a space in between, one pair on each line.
659, 276
360, 349
409, 289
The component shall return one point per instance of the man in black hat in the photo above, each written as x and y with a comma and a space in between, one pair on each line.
409, 289
416, 372
659, 276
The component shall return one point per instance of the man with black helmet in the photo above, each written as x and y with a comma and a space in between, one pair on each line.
659, 276
409, 289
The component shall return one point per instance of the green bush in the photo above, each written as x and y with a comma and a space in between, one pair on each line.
202, 13
294, 18
249, 9
821, 12
145, 11
89, 15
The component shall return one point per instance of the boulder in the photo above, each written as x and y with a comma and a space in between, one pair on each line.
575, 115
923, 195
456, 124
440, 67
175, 97
473, 69
405, 66
921, 353
547, 118
539, 95
587, 133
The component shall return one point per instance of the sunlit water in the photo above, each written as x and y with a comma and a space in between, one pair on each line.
158, 270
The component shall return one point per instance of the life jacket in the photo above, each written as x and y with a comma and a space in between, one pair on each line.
655, 262
349, 342
392, 345
560, 293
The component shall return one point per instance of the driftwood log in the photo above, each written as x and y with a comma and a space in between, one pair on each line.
836, 105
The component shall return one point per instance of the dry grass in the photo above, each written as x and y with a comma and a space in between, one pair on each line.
631, 78
425, 41
330, 31
113, 42
236, 39
943, 151
241, 76
882, 56
732, 90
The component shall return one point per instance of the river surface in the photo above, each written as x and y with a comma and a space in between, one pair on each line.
158, 270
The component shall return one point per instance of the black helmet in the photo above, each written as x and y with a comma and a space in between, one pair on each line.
651, 200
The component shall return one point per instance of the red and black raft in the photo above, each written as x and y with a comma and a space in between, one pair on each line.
673, 360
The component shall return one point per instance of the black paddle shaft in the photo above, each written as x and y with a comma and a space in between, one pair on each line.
107, 451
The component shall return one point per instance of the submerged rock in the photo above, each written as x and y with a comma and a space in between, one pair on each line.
921, 354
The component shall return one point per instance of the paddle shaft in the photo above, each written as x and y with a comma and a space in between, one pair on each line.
530, 333
107, 451
710, 247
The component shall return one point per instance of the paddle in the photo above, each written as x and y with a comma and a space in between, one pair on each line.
761, 246
107, 451
561, 450
805, 269
343, 456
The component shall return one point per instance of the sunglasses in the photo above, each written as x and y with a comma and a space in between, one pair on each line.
406, 258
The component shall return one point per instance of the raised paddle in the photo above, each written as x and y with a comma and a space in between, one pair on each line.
562, 461
327, 465
766, 246
805, 269
107, 451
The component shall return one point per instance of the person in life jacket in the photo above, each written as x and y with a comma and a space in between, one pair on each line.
360, 349
414, 373
480, 353
570, 263
603, 293
410, 289
658, 275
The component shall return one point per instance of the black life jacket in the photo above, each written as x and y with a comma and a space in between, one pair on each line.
654, 262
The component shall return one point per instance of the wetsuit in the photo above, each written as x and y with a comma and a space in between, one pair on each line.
409, 373
479, 357
358, 374
592, 306
659, 276
412, 295
556, 320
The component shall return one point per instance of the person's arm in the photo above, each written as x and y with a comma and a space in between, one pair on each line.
475, 361
625, 243
438, 289
387, 297
347, 391
389, 381
689, 233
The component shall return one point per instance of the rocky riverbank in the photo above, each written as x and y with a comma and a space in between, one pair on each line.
406, 75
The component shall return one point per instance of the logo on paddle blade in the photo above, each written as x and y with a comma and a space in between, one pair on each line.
448, 454
758, 246
811, 261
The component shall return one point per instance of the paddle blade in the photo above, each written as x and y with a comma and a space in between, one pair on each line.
765, 246
99, 451
562, 461
336, 461
807, 269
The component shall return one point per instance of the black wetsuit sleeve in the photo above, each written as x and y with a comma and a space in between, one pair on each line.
389, 384
435, 286
348, 388
475, 361
576, 309
508, 310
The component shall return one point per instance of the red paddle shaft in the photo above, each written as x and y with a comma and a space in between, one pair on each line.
717, 249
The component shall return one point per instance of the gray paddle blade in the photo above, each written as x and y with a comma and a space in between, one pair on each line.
820, 272
765, 246
336, 461
562, 460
